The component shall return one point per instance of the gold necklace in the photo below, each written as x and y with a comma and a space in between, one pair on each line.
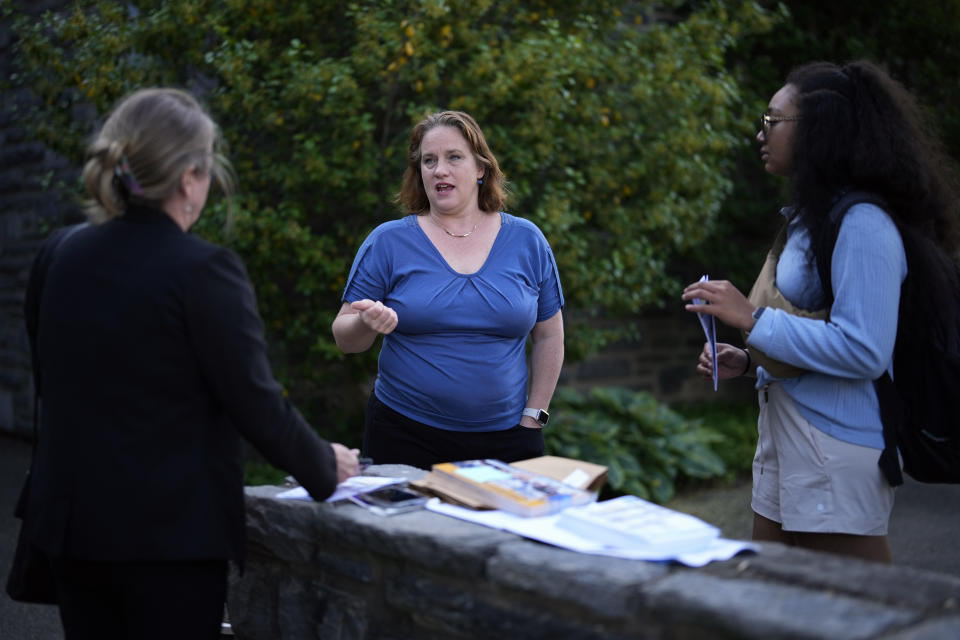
454, 235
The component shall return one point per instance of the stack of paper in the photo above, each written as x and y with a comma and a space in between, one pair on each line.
629, 522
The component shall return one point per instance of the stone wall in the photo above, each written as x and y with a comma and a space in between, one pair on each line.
661, 360
338, 572
30, 204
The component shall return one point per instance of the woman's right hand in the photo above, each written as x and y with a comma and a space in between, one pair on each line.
731, 361
376, 316
348, 464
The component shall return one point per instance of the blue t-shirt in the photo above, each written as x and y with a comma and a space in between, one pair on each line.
457, 358
844, 355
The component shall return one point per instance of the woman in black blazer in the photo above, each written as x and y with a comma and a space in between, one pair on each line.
152, 365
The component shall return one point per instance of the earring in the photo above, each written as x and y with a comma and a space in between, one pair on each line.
188, 209
479, 180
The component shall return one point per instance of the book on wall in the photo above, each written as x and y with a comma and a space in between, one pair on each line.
631, 522
511, 489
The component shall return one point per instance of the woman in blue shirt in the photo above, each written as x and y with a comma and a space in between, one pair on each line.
831, 129
456, 287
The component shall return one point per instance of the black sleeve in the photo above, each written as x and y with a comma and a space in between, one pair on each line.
226, 332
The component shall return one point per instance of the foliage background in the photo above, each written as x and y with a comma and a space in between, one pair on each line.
615, 131
624, 127
917, 42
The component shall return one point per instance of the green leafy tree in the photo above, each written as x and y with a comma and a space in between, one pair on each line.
615, 132
918, 43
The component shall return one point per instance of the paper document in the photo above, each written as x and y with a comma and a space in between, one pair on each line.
632, 523
709, 324
349, 487
545, 529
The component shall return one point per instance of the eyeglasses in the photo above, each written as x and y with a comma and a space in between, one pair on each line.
767, 120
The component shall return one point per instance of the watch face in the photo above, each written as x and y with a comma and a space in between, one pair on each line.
539, 415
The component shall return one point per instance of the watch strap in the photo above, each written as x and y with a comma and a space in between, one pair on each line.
539, 415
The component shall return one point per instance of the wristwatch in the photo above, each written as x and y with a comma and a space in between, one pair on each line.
539, 415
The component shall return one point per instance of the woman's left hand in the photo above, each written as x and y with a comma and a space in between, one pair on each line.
726, 303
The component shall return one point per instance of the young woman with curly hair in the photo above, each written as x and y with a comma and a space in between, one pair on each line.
829, 130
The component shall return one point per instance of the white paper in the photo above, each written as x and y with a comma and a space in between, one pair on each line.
578, 478
709, 324
631, 522
349, 487
545, 529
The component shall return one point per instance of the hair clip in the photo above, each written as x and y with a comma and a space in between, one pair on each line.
123, 173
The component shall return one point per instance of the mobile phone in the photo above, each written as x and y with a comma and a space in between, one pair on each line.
390, 500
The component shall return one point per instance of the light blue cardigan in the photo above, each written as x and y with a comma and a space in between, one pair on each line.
845, 354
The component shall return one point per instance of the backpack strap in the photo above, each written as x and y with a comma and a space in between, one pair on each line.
891, 414
840, 206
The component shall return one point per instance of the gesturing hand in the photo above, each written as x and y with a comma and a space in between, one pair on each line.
376, 316
726, 303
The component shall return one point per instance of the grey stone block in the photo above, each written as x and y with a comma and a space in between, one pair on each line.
295, 531
604, 586
884, 583
454, 608
757, 609
937, 629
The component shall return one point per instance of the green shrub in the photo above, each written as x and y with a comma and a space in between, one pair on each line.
736, 428
646, 446
259, 473
615, 133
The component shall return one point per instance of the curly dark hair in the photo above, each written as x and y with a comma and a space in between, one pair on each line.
860, 129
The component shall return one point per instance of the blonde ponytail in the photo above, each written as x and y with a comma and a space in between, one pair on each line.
146, 144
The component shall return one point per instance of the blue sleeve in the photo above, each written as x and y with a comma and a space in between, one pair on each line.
551, 292
867, 270
367, 279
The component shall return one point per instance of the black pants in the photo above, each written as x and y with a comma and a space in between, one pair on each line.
392, 438
141, 600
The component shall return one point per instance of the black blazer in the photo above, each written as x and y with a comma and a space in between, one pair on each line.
152, 363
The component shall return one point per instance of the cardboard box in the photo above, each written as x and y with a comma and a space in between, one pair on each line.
582, 475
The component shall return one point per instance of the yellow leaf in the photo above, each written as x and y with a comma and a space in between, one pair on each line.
408, 48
